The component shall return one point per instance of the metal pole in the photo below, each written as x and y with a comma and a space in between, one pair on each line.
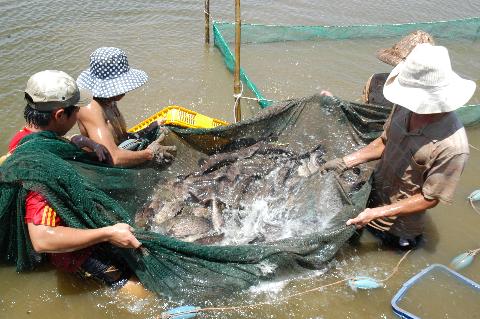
236, 74
207, 21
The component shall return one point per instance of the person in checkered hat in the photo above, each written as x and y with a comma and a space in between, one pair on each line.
109, 78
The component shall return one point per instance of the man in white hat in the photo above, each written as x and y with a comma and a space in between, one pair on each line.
422, 151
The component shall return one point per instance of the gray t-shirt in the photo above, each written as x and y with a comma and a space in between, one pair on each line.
427, 161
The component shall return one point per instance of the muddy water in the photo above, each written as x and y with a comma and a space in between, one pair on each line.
166, 40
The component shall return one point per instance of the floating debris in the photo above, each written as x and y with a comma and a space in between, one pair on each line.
474, 197
464, 259
183, 312
364, 283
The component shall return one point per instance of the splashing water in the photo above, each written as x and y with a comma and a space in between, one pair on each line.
262, 193
285, 215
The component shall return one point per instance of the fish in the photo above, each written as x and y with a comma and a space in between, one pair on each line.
185, 225
195, 203
144, 216
217, 218
168, 211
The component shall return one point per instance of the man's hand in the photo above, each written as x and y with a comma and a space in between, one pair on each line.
102, 153
364, 217
151, 127
338, 165
162, 154
121, 236
326, 93
410, 205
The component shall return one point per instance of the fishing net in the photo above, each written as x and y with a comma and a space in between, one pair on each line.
462, 33
279, 214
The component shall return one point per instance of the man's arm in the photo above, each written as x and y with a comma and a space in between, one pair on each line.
46, 239
411, 205
371, 152
93, 121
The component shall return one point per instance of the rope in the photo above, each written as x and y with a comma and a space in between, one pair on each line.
255, 99
205, 10
473, 206
472, 201
197, 310
395, 269
237, 99
472, 252
475, 148
239, 96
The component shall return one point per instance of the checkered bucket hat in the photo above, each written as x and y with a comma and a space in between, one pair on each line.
109, 74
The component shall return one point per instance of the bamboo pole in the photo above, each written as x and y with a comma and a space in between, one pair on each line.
236, 74
207, 21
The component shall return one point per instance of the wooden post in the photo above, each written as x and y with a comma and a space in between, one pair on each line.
207, 21
236, 74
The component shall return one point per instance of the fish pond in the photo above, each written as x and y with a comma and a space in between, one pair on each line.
165, 38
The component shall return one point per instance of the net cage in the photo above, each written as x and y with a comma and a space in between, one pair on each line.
258, 175
239, 167
256, 34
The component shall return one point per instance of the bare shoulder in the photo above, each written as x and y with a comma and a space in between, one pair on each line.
92, 123
91, 113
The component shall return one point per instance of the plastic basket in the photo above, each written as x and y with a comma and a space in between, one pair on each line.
180, 116
435, 269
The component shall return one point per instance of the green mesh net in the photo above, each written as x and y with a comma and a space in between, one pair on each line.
282, 138
257, 33
224, 36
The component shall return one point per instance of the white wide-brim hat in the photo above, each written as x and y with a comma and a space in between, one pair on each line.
109, 74
426, 84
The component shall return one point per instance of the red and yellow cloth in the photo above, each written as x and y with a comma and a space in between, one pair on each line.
39, 212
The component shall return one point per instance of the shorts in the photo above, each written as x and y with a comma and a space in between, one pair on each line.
105, 265
395, 241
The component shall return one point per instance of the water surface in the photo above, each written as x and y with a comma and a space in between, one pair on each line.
165, 38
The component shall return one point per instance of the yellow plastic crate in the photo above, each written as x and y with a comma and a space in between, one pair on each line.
180, 116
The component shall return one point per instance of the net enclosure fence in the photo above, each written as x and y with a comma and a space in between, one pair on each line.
452, 31
239, 205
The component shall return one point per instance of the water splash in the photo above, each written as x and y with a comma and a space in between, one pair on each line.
285, 215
